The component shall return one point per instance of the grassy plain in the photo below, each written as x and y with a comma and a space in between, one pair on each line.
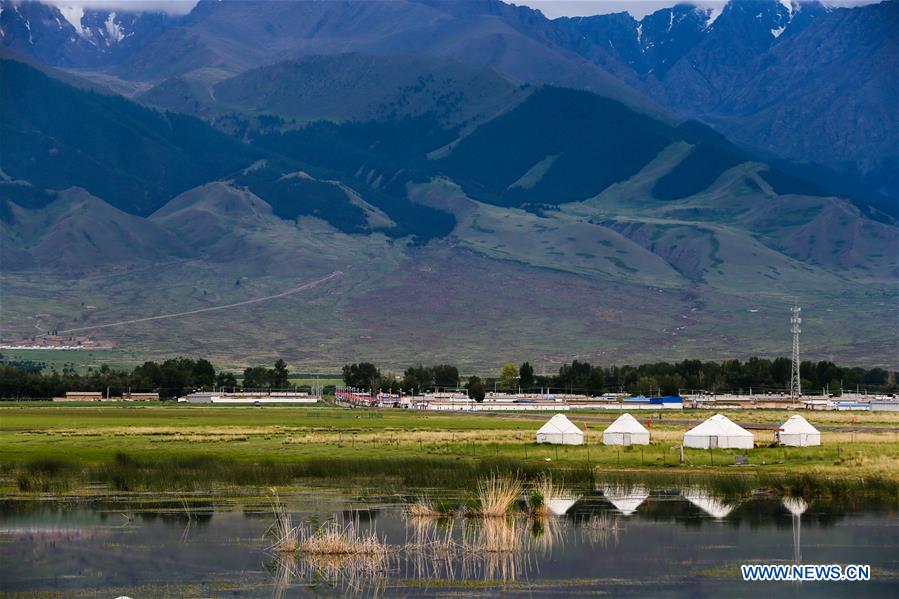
61, 449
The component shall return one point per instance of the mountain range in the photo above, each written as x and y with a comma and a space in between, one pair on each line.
492, 185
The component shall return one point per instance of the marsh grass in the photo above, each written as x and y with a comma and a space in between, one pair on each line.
201, 472
496, 495
46, 475
284, 534
335, 539
422, 507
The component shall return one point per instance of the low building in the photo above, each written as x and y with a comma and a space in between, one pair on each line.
217, 397
885, 405
81, 396
140, 396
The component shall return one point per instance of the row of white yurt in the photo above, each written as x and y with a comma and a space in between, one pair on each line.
716, 432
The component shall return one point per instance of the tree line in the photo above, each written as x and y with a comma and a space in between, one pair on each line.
171, 378
665, 378
177, 376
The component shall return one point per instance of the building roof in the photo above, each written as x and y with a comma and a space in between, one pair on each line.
626, 424
718, 426
559, 424
796, 425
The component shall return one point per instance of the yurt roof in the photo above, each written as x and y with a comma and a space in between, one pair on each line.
719, 425
796, 424
559, 424
626, 424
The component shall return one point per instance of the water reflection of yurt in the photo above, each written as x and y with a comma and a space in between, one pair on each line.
708, 503
626, 499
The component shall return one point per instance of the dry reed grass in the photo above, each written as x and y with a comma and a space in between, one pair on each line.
284, 535
335, 539
422, 507
496, 495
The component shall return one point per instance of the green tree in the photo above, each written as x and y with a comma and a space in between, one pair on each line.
280, 379
418, 378
476, 389
446, 375
363, 375
257, 377
508, 377
645, 384
225, 380
526, 375
595, 382
203, 373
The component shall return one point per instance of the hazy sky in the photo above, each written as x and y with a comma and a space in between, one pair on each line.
550, 8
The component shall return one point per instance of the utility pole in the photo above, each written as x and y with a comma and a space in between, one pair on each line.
795, 328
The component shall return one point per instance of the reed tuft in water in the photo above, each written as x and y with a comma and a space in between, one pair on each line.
335, 539
285, 536
496, 495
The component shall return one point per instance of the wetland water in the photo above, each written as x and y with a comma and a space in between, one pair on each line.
635, 541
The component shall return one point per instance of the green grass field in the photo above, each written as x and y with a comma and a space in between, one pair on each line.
53, 448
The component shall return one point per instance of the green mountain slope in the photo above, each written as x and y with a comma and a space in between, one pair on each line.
346, 87
564, 225
133, 157
78, 232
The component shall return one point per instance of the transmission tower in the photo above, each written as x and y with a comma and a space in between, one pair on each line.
795, 322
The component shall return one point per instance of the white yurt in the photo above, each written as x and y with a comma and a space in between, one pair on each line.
626, 431
560, 431
797, 432
718, 431
625, 499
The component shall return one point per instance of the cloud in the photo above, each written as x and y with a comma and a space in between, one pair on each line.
172, 7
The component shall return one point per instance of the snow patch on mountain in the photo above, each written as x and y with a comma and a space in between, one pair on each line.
788, 4
713, 13
113, 30
73, 14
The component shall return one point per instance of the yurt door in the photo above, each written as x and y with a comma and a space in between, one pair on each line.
626, 438
713, 442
